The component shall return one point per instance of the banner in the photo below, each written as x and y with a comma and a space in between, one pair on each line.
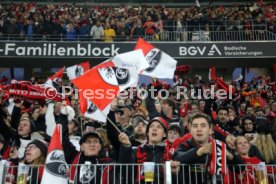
107, 50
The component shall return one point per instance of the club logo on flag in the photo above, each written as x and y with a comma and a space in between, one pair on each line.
79, 71
153, 57
56, 165
115, 76
56, 82
92, 108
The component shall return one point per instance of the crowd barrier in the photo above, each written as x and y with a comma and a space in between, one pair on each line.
140, 173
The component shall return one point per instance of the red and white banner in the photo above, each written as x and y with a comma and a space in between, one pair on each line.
56, 80
161, 64
77, 70
104, 82
88, 109
55, 170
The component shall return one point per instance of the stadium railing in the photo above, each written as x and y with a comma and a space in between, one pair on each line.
127, 173
188, 31
162, 36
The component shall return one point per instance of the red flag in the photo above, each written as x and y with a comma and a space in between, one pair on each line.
212, 73
161, 64
55, 170
56, 80
88, 109
105, 82
77, 70
134, 61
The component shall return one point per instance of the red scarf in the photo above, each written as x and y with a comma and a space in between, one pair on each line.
141, 157
105, 174
218, 164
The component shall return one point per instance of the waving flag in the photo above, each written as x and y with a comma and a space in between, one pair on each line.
55, 170
104, 82
88, 109
161, 64
56, 79
77, 70
134, 58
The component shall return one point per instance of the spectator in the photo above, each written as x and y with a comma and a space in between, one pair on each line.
84, 32
70, 32
11, 28
73, 126
242, 146
153, 151
150, 28
91, 153
38, 117
109, 33
248, 125
122, 32
265, 143
97, 31
139, 126
138, 30
197, 149
35, 156
4, 149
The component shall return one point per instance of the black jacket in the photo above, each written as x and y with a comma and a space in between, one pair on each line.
91, 172
153, 153
196, 171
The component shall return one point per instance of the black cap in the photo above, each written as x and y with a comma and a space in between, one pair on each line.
42, 145
263, 129
138, 118
161, 120
91, 134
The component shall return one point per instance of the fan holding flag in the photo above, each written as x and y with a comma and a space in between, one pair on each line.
85, 168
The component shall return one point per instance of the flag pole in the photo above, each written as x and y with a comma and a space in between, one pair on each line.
81, 122
110, 121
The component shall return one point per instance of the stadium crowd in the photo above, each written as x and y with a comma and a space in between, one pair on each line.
152, 129
28, 21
